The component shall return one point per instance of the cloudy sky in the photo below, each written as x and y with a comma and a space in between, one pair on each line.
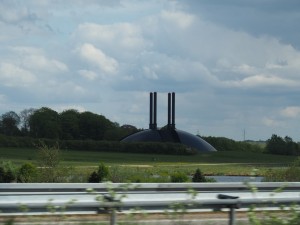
234, 64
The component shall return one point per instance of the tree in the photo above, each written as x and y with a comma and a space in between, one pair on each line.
25, 116
44, 123
69, 123
292, 148
198, 176
276, 145
93, 126
282, 146
116, 133
9, 124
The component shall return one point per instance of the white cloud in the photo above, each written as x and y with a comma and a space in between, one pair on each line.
149, 73
98, 58
88, 74
263, 80
34, 59
244, 69
114, 37
270, 122
61, 108
14, 14
61, 91
95, 32
41, 63
26, 50
15, 76
178, 72
291, 112
181, 19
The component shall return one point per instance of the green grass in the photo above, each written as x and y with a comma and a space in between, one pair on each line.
93, 158
217, 163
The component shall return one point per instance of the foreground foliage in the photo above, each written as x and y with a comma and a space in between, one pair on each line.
287, 174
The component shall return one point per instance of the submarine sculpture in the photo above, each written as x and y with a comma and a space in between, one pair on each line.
168, 133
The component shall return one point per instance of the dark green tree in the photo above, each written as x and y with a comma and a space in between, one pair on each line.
69, 122
198, 176
276, 145
282, 146
222, 143
292, 148
25, 116
93, 126
9, 124
44, 123
116, 133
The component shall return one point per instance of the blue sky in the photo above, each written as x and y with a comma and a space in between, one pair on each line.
234, 65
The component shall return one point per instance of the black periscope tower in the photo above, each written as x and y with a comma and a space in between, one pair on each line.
168, 133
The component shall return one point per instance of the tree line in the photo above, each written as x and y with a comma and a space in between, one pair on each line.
274, 145
45, 123
67, 125
282, 146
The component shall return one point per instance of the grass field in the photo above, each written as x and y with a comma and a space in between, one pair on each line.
217, 163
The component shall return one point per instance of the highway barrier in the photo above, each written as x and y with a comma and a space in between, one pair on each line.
37, 199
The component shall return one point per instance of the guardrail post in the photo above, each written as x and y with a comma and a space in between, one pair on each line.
232, 207
232, 215
113, 218
112, 210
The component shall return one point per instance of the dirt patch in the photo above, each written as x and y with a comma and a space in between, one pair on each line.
140, 166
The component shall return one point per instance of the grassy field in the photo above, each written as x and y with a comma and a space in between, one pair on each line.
217, 163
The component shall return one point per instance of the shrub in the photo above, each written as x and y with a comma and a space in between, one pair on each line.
49, 158
27, 173
7, 172
103, 172
99, 176
198, 176
179, 177
289, 174
94, 178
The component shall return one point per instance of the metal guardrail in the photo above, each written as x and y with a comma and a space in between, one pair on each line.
34, 198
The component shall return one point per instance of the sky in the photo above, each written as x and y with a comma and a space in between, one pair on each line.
234, 65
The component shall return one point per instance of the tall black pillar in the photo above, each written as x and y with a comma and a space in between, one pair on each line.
155, 111
173, 110
151, 111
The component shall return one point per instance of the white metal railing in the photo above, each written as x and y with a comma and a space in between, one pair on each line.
100, 198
